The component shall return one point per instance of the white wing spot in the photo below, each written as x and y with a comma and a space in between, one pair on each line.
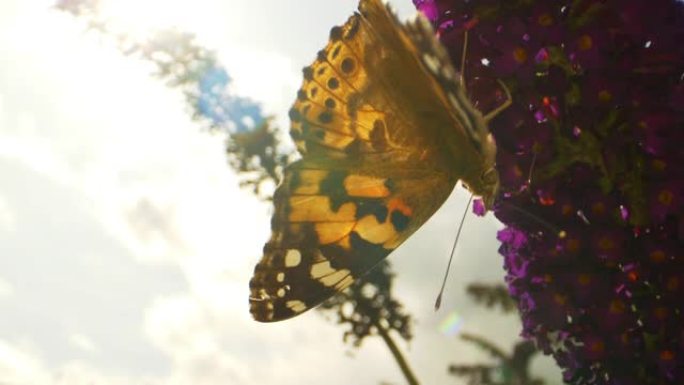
280, 277
321, 269
296, 306
263, 295
431, 62
344, 283
281, 292
293, 258
333, 279
447, 73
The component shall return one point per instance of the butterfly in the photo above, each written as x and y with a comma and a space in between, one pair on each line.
385, 130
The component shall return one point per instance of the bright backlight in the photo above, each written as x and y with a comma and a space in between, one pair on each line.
140, 17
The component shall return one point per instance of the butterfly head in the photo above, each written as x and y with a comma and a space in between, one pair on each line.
490, 185
483, 181
490, 177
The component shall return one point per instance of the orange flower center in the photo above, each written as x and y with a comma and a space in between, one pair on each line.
665, 197
606, 244
598, 208
585, 42
597, 346
584, 279
520, 55
605, 96
560, 299
657, 256
658, 165
545, 20
617, 307
573, 245
566, 209
672, 283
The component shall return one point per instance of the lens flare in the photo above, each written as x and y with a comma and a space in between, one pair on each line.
451, 325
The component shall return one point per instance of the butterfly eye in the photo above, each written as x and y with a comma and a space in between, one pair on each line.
490, 177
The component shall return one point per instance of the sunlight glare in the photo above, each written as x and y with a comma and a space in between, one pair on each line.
140, 17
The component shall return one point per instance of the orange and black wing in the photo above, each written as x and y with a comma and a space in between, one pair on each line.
374, 167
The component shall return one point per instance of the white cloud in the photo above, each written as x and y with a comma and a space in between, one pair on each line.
268, 77
213, 346
79, 373
83, 342
20, 365
121, 138
7, 220
6, 289
185, 330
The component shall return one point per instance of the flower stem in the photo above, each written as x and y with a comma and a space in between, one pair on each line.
398, 356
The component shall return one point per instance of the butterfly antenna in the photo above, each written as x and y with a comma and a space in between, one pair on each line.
509, 100
529, 215
463, 59
544, 223
438, 302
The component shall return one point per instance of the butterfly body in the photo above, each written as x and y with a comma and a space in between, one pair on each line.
385, 130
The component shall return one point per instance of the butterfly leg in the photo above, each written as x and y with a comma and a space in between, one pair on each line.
534, 161
509, 100
463, 59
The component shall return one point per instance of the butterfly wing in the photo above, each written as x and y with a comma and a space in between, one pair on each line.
368, 121
332, 224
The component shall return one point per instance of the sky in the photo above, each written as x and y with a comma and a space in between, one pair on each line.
126, 245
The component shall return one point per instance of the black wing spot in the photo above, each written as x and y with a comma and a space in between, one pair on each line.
336, 33
325, 117
333, 83
399, 220
377, 135
295, 115
348, 65
371, 252
330, 103
353, 104
333, 186
353, 148
321, 55
308, 73
339, 258
335, 51
295, 180
391, 186
375, 207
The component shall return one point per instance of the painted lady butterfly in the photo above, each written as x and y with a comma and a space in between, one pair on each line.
385, 130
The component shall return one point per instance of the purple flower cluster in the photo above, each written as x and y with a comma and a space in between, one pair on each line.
591, 161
